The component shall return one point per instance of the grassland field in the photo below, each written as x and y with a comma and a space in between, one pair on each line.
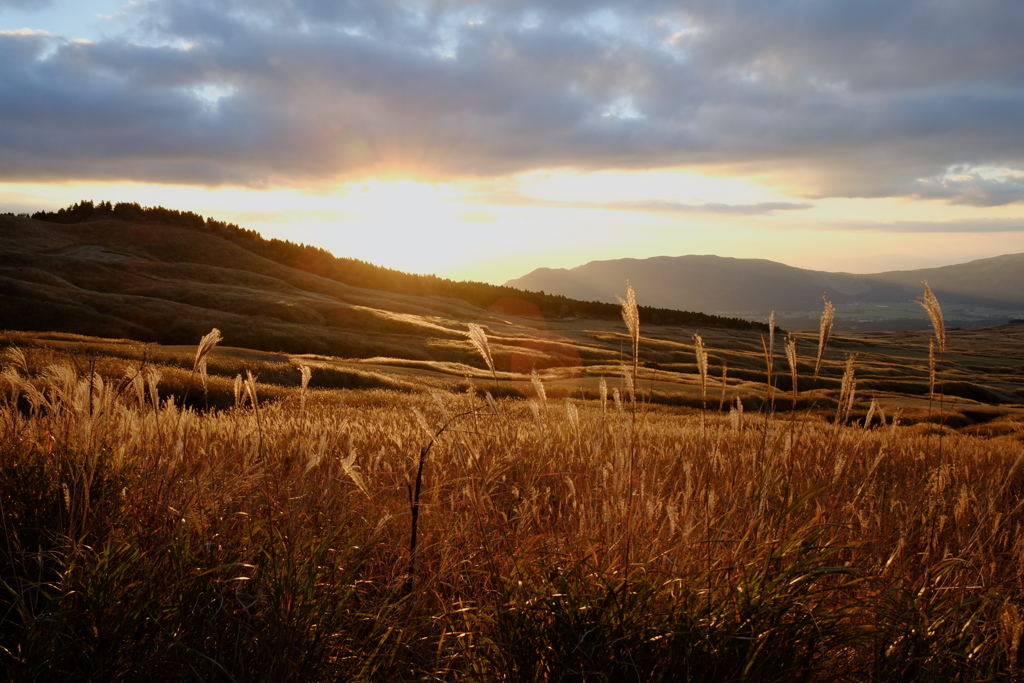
219, 513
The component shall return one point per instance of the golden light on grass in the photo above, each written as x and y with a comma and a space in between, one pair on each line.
930, 304
824, 332
296, 523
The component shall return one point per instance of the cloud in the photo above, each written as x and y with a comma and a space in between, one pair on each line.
974, 187
507, 197
26, 4
838, 99
965, 226
759, 208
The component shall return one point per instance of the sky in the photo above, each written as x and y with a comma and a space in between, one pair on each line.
481, 140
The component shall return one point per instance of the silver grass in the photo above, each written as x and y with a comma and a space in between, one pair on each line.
535, 409
348, 465
306, 374
250, 388
538, 387
847, 389
725, 384
16, 357
318, 453
871, 413
152, 382
203, 378
791, 357
630, 387
491, 402
931, 306
631, 316
479, 339
206, 345
573, 417
137, 384
702, 365
824, 331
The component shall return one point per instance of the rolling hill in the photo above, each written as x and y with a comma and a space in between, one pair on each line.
979, 293
165, 276
169, 278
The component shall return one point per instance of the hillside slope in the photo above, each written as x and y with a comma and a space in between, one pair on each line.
171, 283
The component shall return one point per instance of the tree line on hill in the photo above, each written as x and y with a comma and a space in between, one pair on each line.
359, 273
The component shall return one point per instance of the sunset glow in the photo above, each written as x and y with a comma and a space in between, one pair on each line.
475, 140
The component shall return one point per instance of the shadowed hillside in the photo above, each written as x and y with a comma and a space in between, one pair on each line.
169, 276
367, 275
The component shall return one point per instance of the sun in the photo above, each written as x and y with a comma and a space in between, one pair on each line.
399, 202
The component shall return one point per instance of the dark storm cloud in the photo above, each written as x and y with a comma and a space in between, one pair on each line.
859, 98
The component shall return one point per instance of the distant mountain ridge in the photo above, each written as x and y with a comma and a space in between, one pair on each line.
983, 292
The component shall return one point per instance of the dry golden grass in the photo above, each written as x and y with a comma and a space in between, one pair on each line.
456, 531
848, 552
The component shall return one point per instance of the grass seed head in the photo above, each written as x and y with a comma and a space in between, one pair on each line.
306, 374
479, 339
824, 331
206, 345
848, 389
538, 386
702, 364
931, 306
631, 316
250, 388
791, 357
16, 357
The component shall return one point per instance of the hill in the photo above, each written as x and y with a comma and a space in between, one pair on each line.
169, 276
985, 292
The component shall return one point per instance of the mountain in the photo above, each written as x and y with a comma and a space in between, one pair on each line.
167, 276
984, 292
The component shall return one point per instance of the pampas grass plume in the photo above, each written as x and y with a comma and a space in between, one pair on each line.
791, 357
931, 306
206, 345
702, 365
538, 386
824, 330
479, 339
631, 316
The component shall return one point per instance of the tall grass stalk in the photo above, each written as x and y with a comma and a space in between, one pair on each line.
305, 375
930, 304
631, 316
702, 368
791, 357
250, 391
824, 332
206, 345
479, 339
